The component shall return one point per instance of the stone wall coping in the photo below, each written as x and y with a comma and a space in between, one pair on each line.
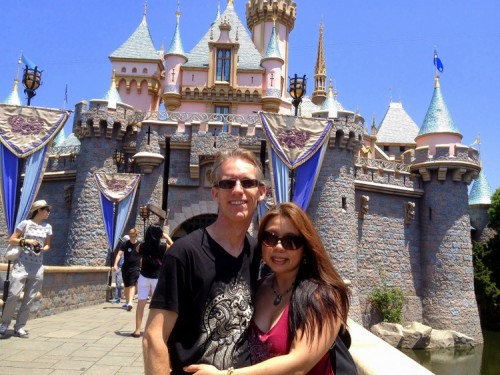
388, 189
67, 269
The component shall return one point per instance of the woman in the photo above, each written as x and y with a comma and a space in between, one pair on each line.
34, 236
151, 252
299, 308
130, 268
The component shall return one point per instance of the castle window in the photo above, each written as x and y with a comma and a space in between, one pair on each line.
145, 71
386, 148
344, 204
124, 70
134, 70
223, 110
401, 148
223, 65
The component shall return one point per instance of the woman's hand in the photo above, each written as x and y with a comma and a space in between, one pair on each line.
204, 370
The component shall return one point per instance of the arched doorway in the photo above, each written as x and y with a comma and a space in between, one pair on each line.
190, 225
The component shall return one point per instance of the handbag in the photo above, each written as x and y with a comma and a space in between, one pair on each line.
340, 358
13, 251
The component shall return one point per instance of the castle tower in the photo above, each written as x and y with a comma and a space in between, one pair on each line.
333, 205
13, 97
479, 202
319, 93
260, 16
139, 68
273, 63
100, 126
446, 168
174, 59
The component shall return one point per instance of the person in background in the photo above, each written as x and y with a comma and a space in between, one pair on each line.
118, 273
131, 266
34, 236
202, 305
299, 308
151, 252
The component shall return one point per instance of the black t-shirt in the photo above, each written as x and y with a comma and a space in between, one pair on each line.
151, 260
132, 259
212, 293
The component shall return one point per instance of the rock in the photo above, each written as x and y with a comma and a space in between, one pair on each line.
391, 333
416, 336
448, 339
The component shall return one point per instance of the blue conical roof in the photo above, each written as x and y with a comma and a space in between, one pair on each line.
14, 98
113, 96
176, 44
438, 119
480, 192
139, 46
273, 50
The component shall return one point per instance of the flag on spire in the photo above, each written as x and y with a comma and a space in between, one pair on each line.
477, 141
437, 62
27, 62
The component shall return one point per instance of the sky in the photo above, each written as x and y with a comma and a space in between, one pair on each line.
376, 51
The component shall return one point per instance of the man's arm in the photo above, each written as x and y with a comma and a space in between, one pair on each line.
117, 260
154, 343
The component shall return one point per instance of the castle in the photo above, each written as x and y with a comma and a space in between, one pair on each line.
390, 202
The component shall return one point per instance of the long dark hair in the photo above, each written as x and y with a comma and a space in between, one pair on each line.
319, 290
151, 244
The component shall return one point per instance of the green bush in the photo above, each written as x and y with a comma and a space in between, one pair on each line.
389, 301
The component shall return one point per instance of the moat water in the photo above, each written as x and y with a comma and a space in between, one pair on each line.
479, 360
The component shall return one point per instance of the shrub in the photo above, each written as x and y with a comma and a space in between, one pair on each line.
389, 301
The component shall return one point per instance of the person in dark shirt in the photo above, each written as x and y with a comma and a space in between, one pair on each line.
130, 268
151, 252
202, 306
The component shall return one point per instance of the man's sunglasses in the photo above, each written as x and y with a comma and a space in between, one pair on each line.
288, 242
230, 183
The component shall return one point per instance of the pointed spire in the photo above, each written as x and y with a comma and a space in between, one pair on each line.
230, 3
113, 96
319, 93
139, 45
438, 118
176, 44
374, 125
481, 191
14, 98
273, 49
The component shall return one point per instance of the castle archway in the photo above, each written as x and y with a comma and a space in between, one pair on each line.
190, 225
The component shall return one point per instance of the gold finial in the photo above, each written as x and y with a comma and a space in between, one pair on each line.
113, 77
145, 8
330, 86
436, 82
19, 62
230, 3
178, 13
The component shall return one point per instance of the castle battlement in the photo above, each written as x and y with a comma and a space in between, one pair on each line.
262, 10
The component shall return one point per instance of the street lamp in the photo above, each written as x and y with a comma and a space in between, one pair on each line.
297, 90
118, 158
144, 212
32, 79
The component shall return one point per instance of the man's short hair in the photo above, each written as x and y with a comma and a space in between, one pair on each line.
237, 153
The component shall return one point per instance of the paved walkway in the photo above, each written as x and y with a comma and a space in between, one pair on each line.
92, 340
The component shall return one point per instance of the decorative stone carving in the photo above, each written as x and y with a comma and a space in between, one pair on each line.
363, 206
409, 212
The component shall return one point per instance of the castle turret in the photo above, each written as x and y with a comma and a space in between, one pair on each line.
262, 16
139, 68
174, 59
446, 168
319, 93
479, 202
273, 63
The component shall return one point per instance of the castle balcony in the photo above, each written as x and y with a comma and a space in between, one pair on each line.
460, 160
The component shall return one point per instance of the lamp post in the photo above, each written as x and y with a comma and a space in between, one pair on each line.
144, 212
118, 158
32, 79
297, 90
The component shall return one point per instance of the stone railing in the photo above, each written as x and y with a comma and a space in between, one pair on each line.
67, 288
381, 164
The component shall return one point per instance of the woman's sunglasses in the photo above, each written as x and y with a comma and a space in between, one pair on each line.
230, 183
288, 242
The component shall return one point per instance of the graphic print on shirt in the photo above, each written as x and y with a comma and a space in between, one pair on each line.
225, 320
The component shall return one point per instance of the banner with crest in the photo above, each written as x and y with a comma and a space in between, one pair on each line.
298, 146
117, 194
25, 134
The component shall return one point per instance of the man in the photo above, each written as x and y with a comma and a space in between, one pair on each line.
201, 307
131, 266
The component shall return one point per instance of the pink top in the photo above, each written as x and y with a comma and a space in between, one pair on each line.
264, 345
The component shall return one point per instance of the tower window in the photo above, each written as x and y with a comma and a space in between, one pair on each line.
223, 110
386, 148
344, 204
401, 148
223, 64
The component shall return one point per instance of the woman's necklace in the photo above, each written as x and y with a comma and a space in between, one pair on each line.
279, 297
